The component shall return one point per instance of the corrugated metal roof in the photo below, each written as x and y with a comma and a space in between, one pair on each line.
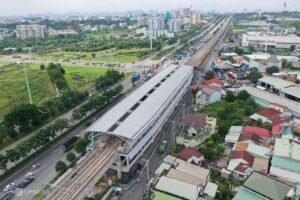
211, 189
184, 177
277, 83
146, 111
286, 163
192, 169
272, 98
247, 194
293, 91
287, 148
178, 188
266, 186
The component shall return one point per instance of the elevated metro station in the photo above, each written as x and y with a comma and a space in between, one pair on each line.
139, 117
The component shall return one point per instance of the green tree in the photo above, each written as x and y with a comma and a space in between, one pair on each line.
42, 67
209, 75
230, 97
239, 51
292, 48
80, 145
286, 64
254, 76
13, 155
243, 95
61, 167
273, 69
71, 157
93, 55
3, 162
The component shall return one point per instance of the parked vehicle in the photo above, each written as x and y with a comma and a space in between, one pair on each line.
70, 143
162, 147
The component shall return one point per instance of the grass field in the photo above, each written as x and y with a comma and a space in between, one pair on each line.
82, 77
105, 33
14, 91
123, 56
13, 88
2, 63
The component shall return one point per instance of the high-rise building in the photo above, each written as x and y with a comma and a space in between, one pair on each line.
175, 25
175, 13
195, 18
186, 12
156, 26
31, 31
168, 16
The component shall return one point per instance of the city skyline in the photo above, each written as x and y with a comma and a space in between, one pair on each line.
13, 7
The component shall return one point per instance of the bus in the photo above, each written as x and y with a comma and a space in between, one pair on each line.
70, 143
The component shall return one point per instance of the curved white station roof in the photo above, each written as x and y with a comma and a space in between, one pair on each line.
129, 117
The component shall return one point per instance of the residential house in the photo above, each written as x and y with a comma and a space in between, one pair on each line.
233, 134
261, 187
210, 191
263, 133
240, 164
214, 82
191, 155
272, 115
286, 160
196, 128
209, 94
187, 181
255, 150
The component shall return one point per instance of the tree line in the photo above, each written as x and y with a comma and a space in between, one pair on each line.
46, 135
108, 79
26, 117
42, 138
97, 102
56, 75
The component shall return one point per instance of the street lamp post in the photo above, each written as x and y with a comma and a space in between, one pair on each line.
27, 85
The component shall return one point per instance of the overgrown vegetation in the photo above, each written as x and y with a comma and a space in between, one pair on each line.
56, 74
108, 79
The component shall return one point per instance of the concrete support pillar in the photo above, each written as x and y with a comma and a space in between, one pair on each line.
119, 168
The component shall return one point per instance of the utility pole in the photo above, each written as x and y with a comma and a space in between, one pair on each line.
27, 84
266, 45
148, 174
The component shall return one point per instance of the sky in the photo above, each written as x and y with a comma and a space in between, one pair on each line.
24, 7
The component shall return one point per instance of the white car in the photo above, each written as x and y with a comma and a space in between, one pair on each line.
35, 166
9, 187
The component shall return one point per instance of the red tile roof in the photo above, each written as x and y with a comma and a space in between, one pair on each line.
262, 132
195, 87
214, 80
189, 152
243, 155
276, 128
269, 112
212, 87
277, 120
242, 168
196, 121
249, 136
